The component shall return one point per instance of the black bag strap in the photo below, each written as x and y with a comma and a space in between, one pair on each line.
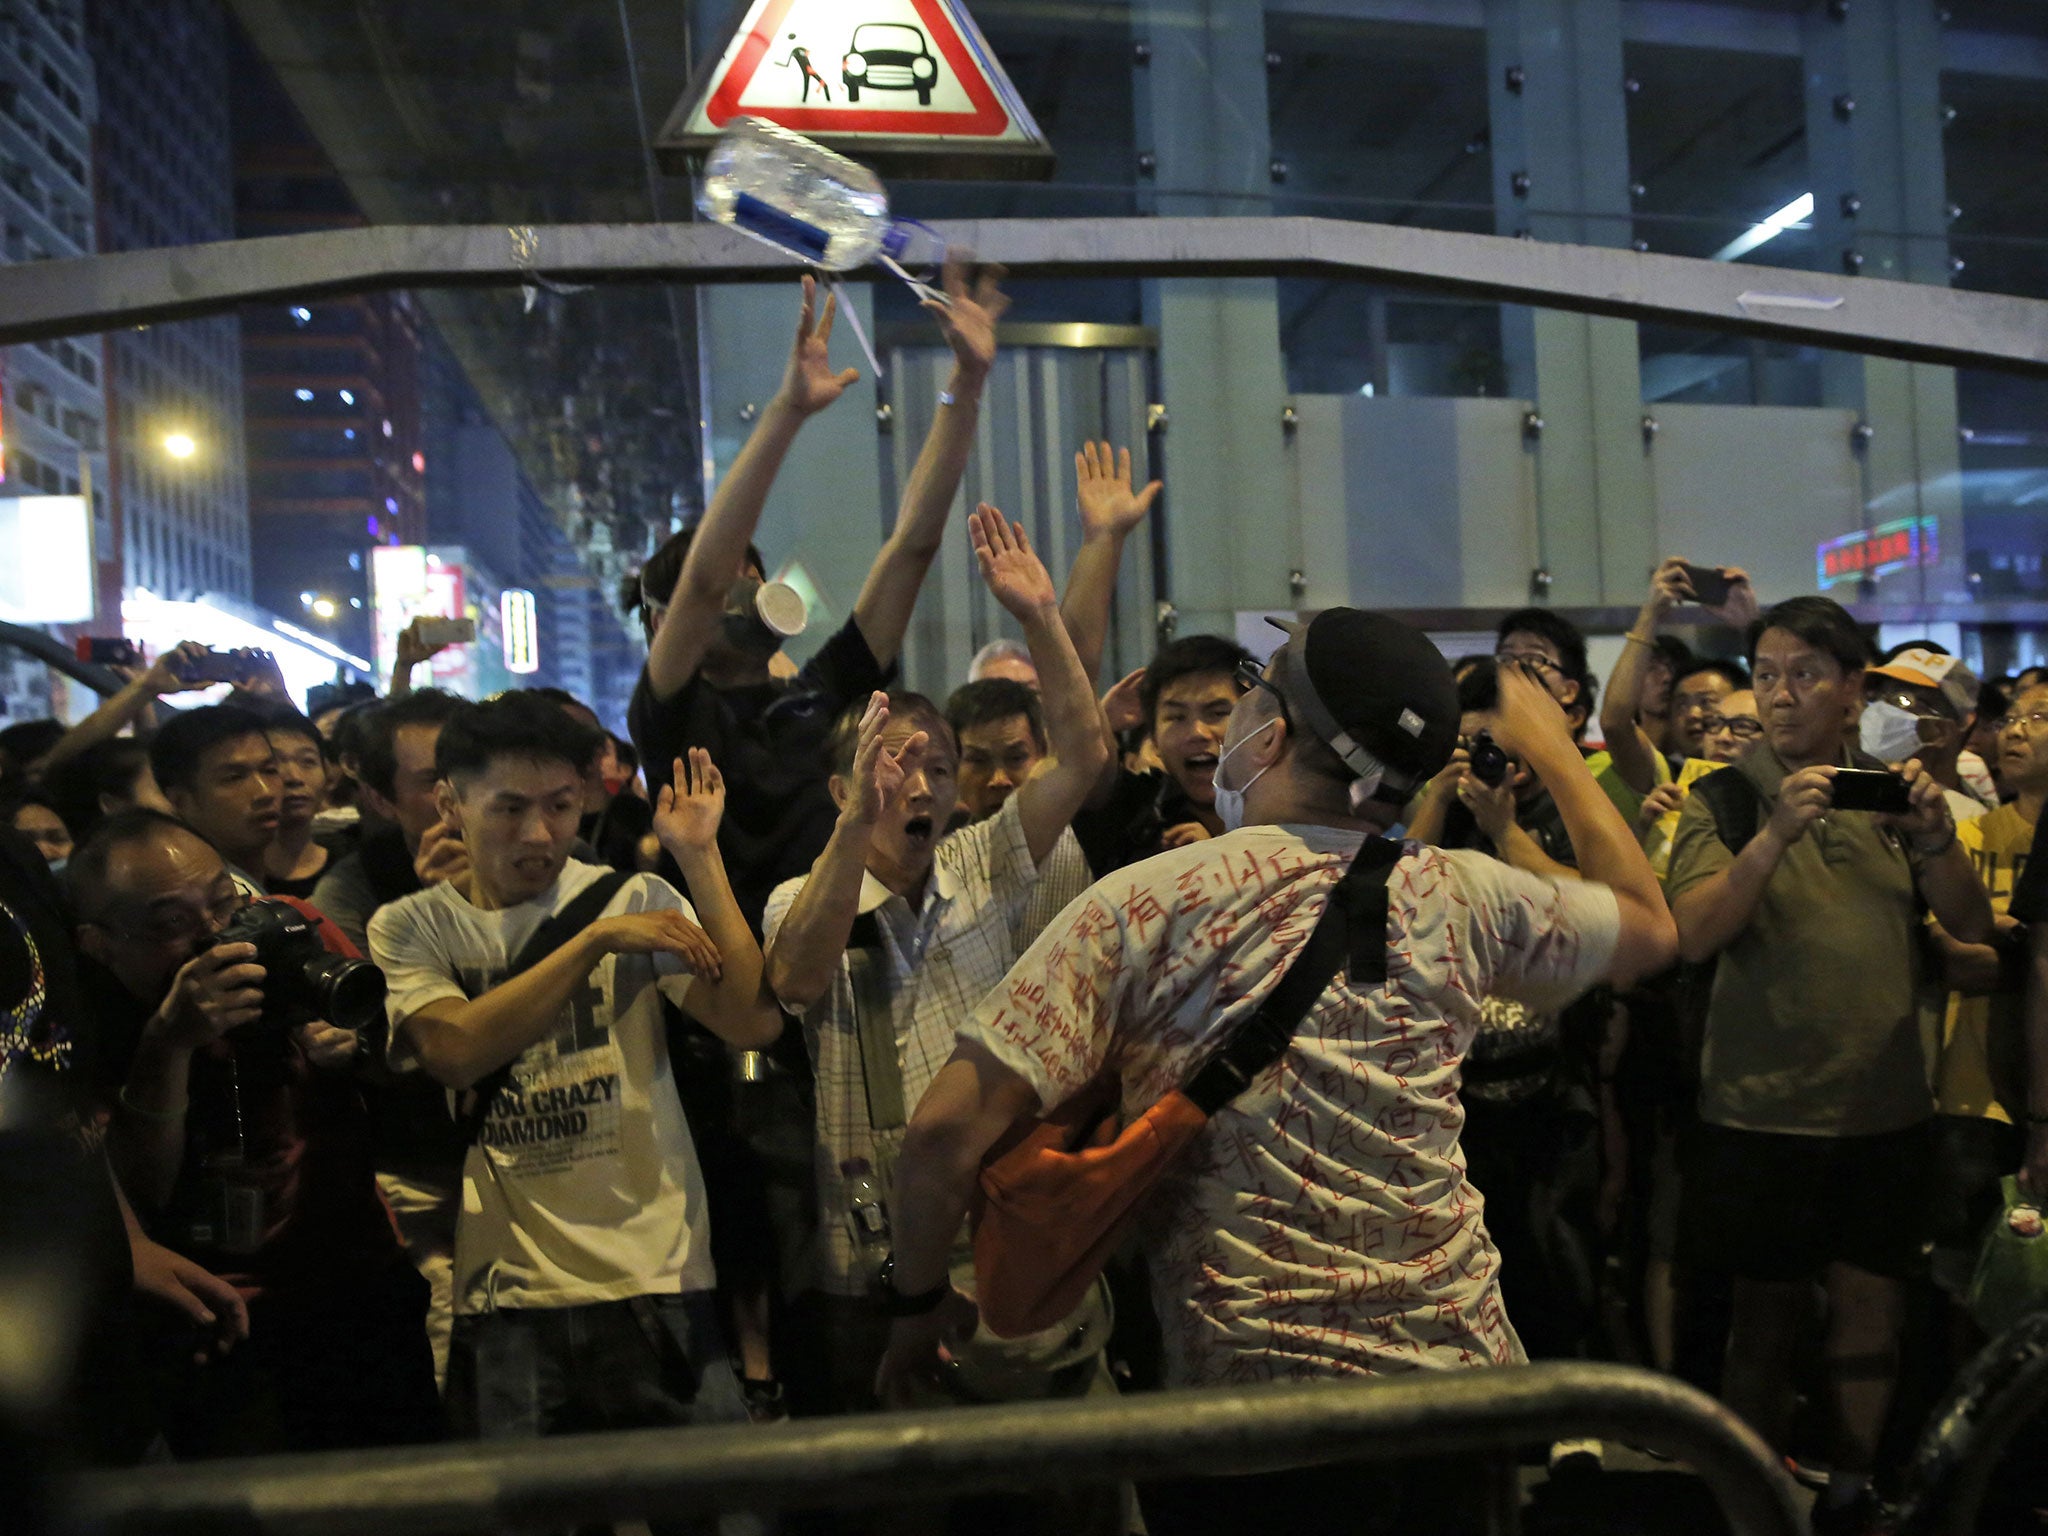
1736, 803
874, 1027
550, 936
1350, 935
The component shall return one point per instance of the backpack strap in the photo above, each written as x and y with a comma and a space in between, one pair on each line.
587, 906
1736, 803
1350, 935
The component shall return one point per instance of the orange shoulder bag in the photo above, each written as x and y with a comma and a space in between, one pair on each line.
1057, 1192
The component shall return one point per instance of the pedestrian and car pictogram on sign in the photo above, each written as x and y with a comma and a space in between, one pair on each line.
907, 86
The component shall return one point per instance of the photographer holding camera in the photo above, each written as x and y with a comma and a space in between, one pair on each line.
240, 1135
1543, 1135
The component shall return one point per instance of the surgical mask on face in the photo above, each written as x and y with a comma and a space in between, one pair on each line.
1888, 733
1230, 802
760, 615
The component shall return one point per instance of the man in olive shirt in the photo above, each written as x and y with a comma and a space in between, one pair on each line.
1813, 1152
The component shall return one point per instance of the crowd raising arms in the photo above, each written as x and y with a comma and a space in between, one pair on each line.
506, 829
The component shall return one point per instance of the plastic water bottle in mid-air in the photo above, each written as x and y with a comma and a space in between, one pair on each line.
810, 201
780, 187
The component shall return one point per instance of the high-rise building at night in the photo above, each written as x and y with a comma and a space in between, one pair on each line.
331, 386
52, 403
479, 497
55, 409
165, 166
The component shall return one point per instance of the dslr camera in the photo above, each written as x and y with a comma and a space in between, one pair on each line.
1489, 761
303, 980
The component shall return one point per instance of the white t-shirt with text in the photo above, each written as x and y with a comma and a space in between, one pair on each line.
583, 1185
1322, 1223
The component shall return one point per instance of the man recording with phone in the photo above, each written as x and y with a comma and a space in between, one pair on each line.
240, 1136
1813, 1153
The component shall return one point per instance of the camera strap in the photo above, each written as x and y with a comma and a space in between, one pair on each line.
585, 909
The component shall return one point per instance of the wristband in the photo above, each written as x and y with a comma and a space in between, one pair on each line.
159, 1116
1648, 645
896, 1304
947, 397
1946, 844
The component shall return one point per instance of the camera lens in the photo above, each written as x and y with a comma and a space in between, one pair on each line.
1489, 762
350, 993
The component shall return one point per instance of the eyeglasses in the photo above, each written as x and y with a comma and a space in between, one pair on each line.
1533, 660
1908, 701
183, 926
1251, 675
2028, 723
1741, 727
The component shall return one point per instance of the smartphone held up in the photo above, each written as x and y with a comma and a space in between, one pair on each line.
1711, 585
1871, 789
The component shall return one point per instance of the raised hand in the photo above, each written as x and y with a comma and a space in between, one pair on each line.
412, 650
442, 857
1669, 588
1659, 803
166, 673
1016, 576
1528, 720
663, 931
688, 811
1108, 504
809, 384
1741, 608
1124, 705
262, 678
879, 774
968, 320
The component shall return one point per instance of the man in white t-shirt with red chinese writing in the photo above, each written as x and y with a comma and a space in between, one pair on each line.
1321, 1225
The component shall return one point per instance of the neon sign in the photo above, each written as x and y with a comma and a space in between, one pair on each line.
522, 630
1878, 552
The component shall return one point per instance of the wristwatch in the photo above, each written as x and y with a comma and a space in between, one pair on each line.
896, 1304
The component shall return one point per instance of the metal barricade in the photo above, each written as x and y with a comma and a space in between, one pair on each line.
670, 1474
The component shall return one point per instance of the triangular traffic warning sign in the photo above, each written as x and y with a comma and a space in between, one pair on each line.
909, 86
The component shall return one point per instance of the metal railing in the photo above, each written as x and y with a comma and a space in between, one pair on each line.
1920, 322
57, 656
669, 1474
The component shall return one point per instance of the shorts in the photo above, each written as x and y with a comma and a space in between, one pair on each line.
1761, 1205
1971, 1156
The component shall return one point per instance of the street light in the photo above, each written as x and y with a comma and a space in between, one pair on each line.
180, 445
323, 607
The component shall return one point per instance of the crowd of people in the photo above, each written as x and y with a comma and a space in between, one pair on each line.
450, 1068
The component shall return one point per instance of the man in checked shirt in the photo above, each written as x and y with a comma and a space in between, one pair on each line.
898, 932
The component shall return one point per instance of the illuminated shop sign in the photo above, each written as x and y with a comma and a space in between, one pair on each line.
1878, 552
520, 622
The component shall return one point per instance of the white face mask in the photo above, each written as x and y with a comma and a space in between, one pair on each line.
1888, 733
1230, 802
